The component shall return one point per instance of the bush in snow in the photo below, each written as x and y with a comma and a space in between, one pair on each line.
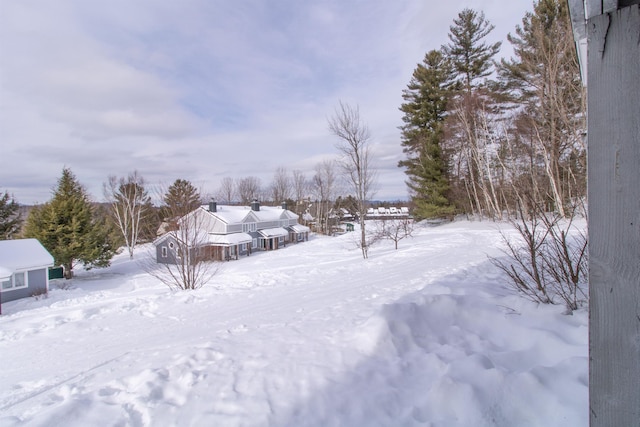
548, 259
394, 229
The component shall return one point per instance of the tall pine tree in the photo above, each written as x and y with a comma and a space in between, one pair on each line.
180, 199
469, 54
67, 228
424, 111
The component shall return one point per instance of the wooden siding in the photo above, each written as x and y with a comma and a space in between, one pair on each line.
614, 217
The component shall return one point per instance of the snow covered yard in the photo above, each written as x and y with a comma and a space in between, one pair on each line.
310, 335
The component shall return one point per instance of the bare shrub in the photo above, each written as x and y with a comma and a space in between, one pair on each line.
191, 263
395, 229
547, 261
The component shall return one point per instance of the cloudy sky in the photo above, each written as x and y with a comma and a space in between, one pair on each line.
204, 89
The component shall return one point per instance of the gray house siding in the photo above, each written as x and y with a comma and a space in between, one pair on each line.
36, 283
165, 254
235, 228
614, 217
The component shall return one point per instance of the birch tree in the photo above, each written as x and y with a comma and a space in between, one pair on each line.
129, 201
355, 146
324, 186
544, 78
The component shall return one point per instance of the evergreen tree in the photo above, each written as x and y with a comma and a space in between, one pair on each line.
10, 218
67, 228
470, 56
424, 111
544, 78
181, 198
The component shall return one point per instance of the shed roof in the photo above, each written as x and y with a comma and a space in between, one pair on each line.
24, 254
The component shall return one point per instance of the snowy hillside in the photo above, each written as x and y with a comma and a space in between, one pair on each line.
310, 335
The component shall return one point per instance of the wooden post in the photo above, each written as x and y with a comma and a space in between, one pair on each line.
614, 216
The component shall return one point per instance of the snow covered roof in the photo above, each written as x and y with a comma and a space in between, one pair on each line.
269, 213
23, 254
229, 239
238, 214
299, 228
273, 232
230, 214
5, 274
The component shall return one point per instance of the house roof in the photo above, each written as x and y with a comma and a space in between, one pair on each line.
239, 214
299, 228
230, 239
5, 274
273, 232
230, 214
23, 254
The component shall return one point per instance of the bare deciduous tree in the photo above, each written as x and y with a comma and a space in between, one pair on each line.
191, 265
227, 190
300, 185
248, 189
129, 201
354, 144
544, 78
281, 187
395, 229
324, 187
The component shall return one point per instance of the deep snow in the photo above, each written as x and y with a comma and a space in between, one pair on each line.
309, 335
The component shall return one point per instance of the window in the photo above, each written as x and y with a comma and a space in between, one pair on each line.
243, 247
254, 243
170, 245
249, 226
280, 239
164, 252
17, 281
